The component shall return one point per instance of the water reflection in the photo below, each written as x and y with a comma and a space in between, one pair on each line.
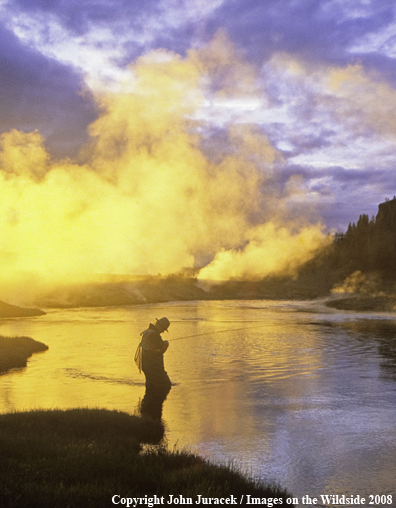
307, 399
381, 332
152, 403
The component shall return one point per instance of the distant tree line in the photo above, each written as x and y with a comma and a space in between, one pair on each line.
369, 245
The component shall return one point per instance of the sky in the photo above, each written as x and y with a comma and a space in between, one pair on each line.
287, 104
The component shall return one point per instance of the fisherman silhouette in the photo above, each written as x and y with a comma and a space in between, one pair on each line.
152, 352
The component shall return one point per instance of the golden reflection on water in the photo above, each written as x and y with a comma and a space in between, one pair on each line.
296, 397
90, 360
88, 364
221, 377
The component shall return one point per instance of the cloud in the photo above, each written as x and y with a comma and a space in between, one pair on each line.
365, 101
39, 93
99, 38
147, 199
277, 79
334, 125
270, 250
317, 30
78, 18
342, 111
343, 194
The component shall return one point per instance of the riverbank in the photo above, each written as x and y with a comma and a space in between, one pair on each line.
15, 351
10, 311
364, 303
167, 289
111, 291
84, 457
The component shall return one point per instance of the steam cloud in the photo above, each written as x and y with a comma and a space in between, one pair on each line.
146, 196
359, 283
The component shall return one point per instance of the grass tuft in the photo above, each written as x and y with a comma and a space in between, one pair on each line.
83, 457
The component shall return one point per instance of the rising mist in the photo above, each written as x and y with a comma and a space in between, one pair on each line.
147, 196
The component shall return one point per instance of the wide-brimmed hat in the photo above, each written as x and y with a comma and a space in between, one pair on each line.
163, 323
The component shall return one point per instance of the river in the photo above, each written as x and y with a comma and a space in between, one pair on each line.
287, 391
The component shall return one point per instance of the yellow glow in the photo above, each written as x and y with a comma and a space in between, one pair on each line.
147, 199
270, 250
366, 99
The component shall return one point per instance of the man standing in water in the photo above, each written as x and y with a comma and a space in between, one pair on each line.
153, 349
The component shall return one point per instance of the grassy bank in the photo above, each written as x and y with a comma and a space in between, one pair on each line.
15, 351
363, 303
10, 311
84, 457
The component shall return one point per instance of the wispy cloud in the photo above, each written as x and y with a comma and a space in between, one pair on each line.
99, 37
316, 78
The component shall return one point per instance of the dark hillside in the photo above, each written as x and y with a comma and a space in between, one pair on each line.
360, 265
369, 245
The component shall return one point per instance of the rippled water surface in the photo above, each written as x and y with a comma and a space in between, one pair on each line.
287, 391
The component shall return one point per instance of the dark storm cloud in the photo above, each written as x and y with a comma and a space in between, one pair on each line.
40, 93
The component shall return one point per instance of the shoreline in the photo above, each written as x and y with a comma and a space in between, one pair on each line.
9, 311
86, 457
364, 303
15, 352
174, 288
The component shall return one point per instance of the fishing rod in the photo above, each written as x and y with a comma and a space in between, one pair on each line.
138, 354
218, 331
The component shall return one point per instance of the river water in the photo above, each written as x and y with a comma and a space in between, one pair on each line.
287, 391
